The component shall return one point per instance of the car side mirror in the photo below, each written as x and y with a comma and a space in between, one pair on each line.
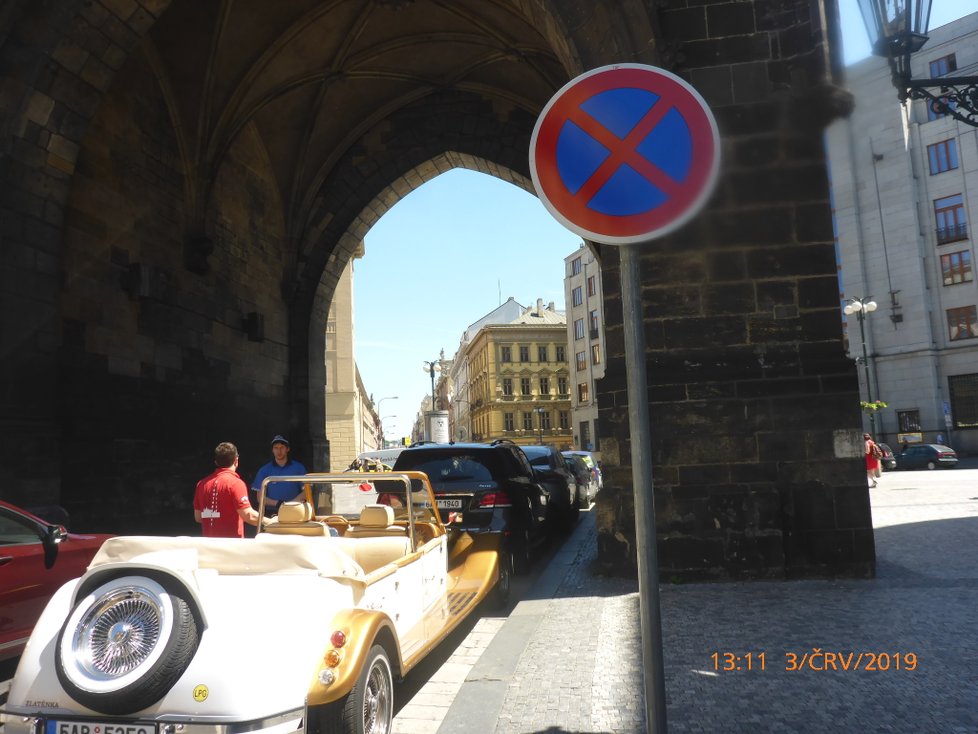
53, 536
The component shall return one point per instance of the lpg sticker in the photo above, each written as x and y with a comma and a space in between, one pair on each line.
200, 693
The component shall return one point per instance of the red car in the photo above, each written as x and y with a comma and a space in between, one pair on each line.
36, 559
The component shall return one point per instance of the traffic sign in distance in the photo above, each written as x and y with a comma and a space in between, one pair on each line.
624, 154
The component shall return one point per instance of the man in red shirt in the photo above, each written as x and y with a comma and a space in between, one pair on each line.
221, 499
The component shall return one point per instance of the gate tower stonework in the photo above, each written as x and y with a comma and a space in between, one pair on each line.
183, 183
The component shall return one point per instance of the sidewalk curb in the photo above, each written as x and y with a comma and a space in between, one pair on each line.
479, 701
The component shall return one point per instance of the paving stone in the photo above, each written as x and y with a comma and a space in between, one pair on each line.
579, 668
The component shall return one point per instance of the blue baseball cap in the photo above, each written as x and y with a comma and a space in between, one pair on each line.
280, 439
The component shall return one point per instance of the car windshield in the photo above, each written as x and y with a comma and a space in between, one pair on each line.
347, 494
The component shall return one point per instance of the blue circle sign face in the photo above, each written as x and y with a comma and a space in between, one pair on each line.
624, 154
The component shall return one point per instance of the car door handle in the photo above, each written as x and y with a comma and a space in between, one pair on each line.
4, 560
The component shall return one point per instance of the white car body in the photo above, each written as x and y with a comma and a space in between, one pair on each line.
268, 610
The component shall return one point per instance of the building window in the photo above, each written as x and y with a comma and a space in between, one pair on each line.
562, 386
943, 156
525, 386
524, 353
956, 267
561, 354
545, 422
577, 296
908, 420
528, 421
507, 386
564, 419
592, 285
595, 354
508, 423
579, 329
545, 386
962, 323
582, 393
943, 65
576, 266
963, 391
542, 354
581, 361
951, 222
507, 354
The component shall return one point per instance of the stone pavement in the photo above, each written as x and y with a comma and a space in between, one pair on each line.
568, 659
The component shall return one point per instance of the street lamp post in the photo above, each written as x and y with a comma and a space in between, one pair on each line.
379, 403
383, 444
861, 307
897, 29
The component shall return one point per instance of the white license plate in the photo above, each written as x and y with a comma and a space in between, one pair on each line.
97, 727
449, 504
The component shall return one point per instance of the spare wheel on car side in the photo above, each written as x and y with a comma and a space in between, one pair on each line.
125, 644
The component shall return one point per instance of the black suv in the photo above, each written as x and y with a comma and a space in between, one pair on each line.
551, 470
484, 487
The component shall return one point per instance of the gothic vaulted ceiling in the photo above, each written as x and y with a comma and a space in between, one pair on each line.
311, 77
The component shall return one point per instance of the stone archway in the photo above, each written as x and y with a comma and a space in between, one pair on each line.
162, 272
181, 181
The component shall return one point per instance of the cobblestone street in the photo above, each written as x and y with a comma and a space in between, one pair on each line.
571, 662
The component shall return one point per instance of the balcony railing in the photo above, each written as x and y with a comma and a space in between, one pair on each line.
952, 234
594, 333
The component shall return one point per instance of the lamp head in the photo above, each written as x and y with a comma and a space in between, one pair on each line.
896, 26
870, 306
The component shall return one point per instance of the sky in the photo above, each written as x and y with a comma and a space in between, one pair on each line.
455, 248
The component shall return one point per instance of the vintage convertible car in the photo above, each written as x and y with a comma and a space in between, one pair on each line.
303, 627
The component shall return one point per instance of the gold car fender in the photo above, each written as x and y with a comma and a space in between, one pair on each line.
361, 630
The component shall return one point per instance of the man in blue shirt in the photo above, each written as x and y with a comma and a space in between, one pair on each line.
280, 466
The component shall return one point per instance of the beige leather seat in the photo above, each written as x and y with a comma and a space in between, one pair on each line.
376, 521
296, 518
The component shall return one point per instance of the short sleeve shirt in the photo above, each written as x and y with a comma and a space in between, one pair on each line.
218, 498
280, 491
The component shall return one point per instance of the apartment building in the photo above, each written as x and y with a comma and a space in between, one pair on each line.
585, 340
905, 189
518, 385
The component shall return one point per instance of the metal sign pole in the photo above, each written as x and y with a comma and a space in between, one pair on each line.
594, 196
641, 447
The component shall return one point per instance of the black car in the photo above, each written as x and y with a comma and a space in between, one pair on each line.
551, 470
926, 456
484, 487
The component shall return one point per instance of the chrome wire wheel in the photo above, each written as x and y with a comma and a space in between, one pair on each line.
377, 696
117, 630
125, 644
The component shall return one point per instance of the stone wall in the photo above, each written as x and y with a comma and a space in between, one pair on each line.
754, 405
158, 363
152, 307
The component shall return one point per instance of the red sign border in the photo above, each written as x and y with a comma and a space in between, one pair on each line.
621, 230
